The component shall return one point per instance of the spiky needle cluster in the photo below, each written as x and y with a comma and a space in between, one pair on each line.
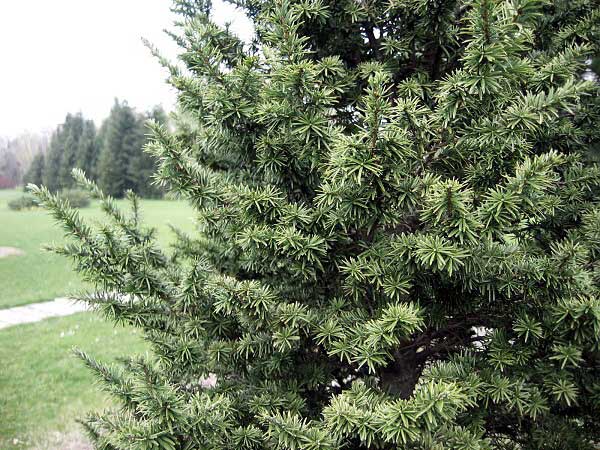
398, 234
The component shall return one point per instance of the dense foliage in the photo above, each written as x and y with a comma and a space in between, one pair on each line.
73, 144
398, 241
122, 164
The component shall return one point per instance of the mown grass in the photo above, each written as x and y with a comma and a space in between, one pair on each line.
44, 388
39, 275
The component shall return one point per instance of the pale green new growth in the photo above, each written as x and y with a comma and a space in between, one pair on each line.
397, 241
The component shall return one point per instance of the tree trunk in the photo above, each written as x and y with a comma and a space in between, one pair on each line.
401, 375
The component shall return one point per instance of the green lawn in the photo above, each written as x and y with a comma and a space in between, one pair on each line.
44, 388
39, 275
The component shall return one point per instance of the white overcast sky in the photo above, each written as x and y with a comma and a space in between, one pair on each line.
60, 56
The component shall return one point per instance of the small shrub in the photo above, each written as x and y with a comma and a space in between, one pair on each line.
25, 201
76, 198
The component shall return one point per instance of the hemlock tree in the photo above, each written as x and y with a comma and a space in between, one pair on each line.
398, 242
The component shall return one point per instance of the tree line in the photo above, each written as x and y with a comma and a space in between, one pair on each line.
112, 155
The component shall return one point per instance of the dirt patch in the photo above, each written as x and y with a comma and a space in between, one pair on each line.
5, 252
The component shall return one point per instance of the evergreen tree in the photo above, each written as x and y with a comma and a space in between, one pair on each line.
100, 139
123, 139
72, 145
52, 165
87, 151
123, 165
35, 172
142, 165
67, 160
398, 243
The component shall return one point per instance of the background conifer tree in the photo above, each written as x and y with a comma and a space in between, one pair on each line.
53, 160
72, 145
398, 234
87, 151
123, 139
69, 155
122, 164
142, 165
35, 172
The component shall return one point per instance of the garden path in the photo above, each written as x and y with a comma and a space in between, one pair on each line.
39, 311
